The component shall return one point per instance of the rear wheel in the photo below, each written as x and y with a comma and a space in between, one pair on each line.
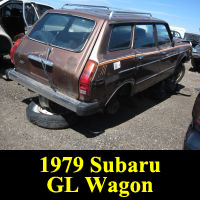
5, 76
45, 118
113, 106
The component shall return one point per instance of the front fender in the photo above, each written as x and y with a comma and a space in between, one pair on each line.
184, 57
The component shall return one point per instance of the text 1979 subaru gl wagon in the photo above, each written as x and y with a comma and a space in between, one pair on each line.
84, 57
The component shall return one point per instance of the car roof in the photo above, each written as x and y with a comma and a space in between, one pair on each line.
111, 16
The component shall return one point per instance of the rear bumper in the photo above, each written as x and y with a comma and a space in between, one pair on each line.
80, 108
192, 140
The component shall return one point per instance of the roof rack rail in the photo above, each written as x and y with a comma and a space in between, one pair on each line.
86, 6
118, 13
112, 12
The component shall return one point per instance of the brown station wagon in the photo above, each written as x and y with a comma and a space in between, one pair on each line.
84, 57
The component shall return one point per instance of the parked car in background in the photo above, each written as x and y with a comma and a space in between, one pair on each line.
192, 140
16, 17
193, 38
196, 57
85, 58
178, 32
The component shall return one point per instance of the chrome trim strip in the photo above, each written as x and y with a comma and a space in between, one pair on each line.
168, 56
40, 60
156, 75
139, 66
142, 54
121, 72
150, 62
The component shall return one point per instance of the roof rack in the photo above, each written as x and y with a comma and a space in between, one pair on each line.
85, 6
129, 13
112, 12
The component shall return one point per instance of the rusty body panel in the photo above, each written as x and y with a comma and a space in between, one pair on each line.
68, 65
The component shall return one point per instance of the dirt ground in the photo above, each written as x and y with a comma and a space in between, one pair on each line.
143, 123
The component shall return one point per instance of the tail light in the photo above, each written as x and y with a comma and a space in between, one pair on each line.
14, 48
196, 113
86, 78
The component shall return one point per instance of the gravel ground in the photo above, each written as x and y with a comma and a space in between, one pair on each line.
144, 123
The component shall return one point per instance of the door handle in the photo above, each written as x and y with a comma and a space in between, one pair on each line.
40, 60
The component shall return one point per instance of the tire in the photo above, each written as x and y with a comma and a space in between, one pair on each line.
50, 120
113, 106
179, 73
6, 76
172, 82
195, 63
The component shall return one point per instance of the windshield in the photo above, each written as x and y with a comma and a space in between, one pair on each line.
64, 31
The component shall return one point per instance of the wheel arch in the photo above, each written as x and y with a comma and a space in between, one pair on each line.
129, 83
182, 59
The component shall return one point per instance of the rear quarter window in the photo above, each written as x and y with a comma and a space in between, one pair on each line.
120, 37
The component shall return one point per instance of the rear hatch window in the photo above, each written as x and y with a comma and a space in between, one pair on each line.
63, 31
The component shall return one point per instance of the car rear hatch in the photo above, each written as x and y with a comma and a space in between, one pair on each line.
57, 49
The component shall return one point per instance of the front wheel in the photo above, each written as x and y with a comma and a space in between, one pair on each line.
179, 73
195, 63
172, 82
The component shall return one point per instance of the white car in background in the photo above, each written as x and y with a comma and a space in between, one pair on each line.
16, 17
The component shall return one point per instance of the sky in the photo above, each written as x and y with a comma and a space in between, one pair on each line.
181, 13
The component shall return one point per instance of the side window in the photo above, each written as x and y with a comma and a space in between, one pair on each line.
120, 37
163, 35
144, 36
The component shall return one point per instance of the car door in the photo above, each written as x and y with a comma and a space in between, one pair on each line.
12, 18
120, 57
148, 56
169, 54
